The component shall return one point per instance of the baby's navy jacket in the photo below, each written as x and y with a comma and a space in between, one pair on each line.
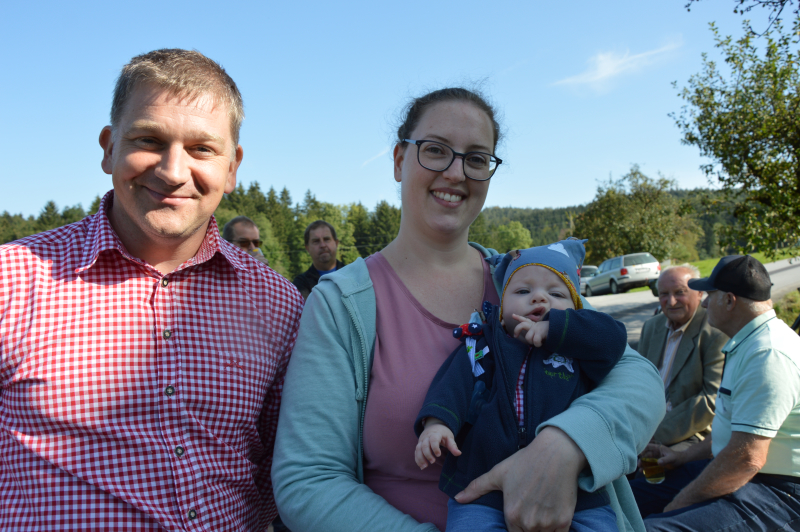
481, 410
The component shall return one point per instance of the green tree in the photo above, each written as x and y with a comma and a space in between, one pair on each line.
384, 225
479, 230
358, 217
748, 123
633, 214
511, 236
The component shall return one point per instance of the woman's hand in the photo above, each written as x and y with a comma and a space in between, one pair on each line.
531, 332
539, 483
435, 435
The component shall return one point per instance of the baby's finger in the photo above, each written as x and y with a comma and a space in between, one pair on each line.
522, 328
428, 453
435, 447
419, 458
521, 319
538, 338
451, 446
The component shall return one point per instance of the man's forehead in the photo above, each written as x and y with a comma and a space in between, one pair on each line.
244, 227
321, 232
148, 97
679, 276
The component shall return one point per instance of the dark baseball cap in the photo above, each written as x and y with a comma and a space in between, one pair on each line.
741, 275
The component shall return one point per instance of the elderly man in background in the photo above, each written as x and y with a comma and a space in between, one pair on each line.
142, 357
746, 475
243, 233
322, 245
688, 353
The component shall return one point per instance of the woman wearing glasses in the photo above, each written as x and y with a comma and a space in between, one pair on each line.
373, 335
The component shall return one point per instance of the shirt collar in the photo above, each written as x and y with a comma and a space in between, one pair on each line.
683, 327
100, 236
747, 330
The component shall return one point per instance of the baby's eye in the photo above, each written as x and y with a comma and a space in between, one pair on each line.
522, 291
558, 294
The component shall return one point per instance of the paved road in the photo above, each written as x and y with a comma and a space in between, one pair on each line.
633, 309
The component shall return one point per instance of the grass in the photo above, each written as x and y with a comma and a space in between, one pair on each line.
788, 307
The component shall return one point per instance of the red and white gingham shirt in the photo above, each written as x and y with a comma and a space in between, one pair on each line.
133, 400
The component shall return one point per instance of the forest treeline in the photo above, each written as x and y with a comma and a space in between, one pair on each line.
362, 231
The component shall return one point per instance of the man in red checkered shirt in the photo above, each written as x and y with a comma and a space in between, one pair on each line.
142, 357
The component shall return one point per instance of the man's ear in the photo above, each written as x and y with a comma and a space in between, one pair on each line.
107, 143
730, 301
230, 182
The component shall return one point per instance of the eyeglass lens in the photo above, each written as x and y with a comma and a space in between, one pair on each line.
438, 157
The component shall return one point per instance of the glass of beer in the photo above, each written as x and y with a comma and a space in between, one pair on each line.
653, 473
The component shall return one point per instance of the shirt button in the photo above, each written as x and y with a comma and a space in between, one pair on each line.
167, 334
169, 391
164, 281
179, 451
192, 514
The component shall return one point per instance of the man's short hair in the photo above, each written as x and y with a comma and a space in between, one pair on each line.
227, 231
756, 307
316, 225
183, 73
694, 271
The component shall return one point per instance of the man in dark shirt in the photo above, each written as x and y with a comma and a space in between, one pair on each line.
321, 244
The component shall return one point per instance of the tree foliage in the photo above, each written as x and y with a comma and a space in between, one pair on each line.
362, 232
747, 123
634, 214
775, 8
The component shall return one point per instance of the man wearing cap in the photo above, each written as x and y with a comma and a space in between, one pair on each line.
746, 476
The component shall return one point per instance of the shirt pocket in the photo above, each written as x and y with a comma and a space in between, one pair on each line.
225, 390
723, 403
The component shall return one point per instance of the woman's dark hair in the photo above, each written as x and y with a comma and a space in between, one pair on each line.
412, 113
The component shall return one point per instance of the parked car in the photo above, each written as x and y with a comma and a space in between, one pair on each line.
620, 274
586, 272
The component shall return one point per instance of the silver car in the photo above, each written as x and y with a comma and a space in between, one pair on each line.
620, 274
586, 272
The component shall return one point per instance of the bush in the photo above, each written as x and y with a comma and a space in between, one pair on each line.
788, 307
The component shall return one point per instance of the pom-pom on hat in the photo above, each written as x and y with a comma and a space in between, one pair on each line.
563, 258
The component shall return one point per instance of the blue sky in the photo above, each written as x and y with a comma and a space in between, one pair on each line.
584, 88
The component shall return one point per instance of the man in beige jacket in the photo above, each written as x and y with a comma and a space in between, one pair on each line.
688, 353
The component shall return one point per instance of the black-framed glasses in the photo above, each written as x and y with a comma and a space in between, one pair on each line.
438, 157
245, 243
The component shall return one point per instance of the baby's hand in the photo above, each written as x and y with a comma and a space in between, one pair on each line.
428, 449
531, 332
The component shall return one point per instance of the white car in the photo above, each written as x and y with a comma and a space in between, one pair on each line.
620, 274
587, 271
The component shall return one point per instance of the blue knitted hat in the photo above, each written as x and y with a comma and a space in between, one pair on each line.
563, 258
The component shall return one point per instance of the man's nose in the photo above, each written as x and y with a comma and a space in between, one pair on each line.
172, 168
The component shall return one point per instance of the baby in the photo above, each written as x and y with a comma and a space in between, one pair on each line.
524, 364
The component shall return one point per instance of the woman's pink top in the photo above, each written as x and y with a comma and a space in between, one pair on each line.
410, 346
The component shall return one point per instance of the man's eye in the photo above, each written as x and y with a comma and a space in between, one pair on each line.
147, 142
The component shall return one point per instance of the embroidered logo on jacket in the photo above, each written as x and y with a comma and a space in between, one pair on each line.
557, 361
